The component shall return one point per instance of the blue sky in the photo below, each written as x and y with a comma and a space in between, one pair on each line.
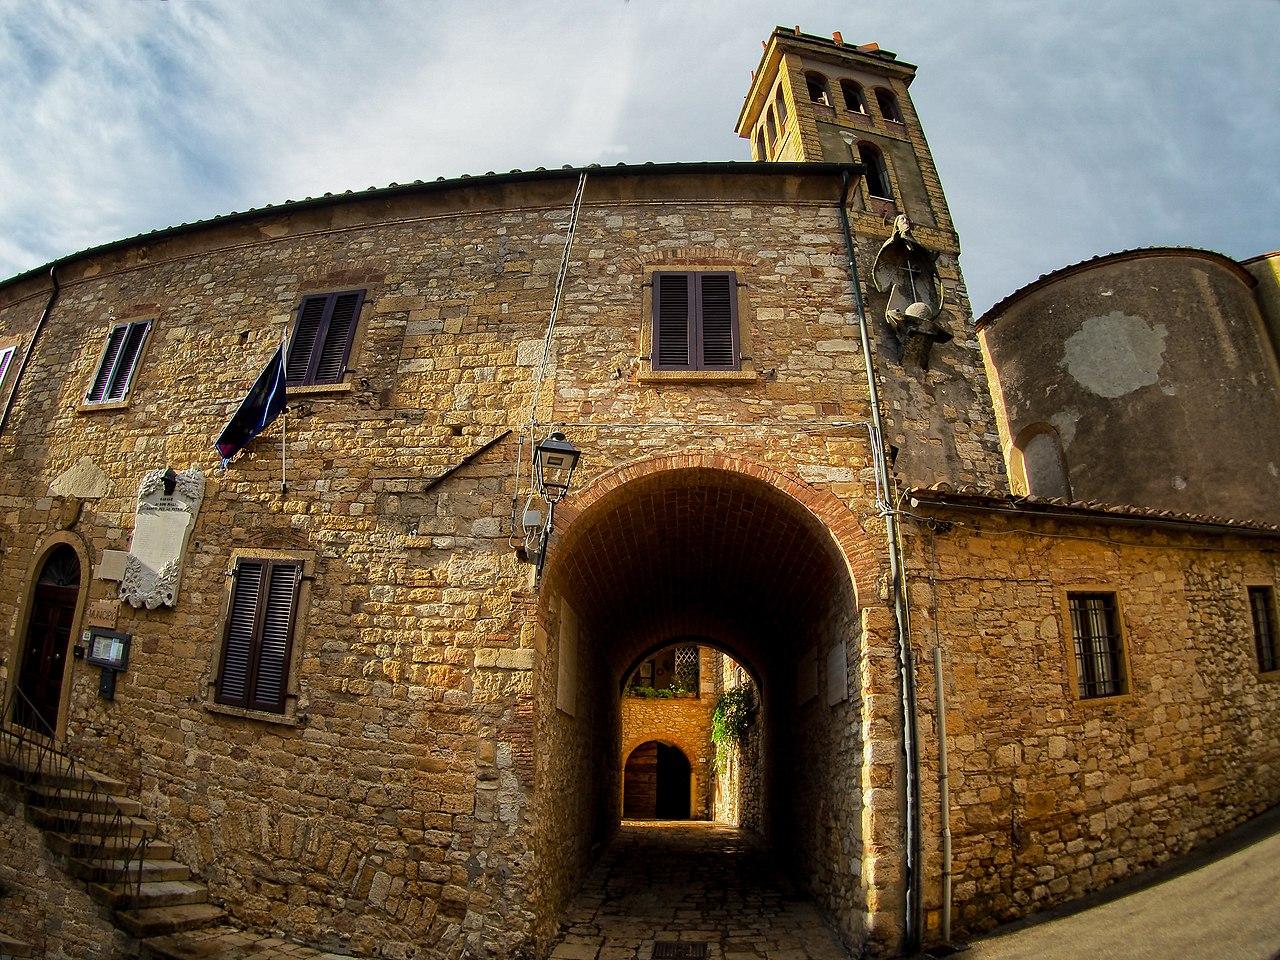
1061, 129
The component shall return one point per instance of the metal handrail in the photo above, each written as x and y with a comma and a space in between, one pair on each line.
28, 748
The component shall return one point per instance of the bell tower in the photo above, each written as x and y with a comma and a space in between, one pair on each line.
819, 99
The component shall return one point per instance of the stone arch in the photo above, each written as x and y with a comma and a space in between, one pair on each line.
662, 805
62, 538
1038, 464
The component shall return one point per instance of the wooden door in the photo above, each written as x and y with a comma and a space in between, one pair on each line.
48, 640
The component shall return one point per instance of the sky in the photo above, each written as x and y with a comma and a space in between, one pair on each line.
1061, 130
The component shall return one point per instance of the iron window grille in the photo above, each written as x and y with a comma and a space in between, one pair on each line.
1261, 605
258, 643
687, 670
695, 321
1095, 631
322, 338
118, 363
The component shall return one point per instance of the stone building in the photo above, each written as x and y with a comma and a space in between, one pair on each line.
365, 709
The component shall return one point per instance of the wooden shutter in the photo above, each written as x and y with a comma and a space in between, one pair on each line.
242, 627
717, 321
322, 338
102, 379
673, 297
259, 636
341, 330
298, 364
127, 361
272, 674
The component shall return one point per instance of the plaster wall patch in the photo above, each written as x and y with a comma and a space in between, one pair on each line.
83, 480
1115, 354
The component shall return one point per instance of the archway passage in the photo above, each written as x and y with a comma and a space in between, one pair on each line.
48, 637
656, 783
743, 566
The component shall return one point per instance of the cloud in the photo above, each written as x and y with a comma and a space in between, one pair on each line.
1059, 132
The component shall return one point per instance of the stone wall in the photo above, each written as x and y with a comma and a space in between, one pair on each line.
40, 904
1053, 796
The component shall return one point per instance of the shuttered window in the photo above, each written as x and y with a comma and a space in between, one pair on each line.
322, 338
695, 321
6, 358
254, 670
119, 362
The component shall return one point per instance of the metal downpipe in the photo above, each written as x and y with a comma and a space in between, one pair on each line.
898, 580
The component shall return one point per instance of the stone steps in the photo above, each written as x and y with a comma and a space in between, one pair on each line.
228, 943
97, 847
110, 871
11, 949
45, 796
90, 822
150, 893
144, 922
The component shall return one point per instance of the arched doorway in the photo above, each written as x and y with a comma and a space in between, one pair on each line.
48, 637
656, 783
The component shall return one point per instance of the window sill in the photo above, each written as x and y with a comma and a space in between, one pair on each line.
1093, 703
698, 376
1269, 676
280, 719
320, 389
103, 407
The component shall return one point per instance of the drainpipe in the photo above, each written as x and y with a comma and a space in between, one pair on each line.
31, 348
944, 793
898, 581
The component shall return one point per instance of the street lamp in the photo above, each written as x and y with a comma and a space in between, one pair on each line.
555, 459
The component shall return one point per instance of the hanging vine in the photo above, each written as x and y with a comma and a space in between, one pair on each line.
734, 713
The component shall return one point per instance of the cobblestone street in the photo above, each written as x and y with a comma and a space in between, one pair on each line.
691, 882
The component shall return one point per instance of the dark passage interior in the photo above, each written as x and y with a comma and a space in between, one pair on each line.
742, 566
656, 783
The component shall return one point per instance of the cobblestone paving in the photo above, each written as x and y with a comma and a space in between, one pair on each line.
228, 943
691, 882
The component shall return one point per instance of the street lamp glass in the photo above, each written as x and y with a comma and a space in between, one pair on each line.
556, 459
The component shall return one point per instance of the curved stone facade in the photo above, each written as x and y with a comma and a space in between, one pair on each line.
1156, 372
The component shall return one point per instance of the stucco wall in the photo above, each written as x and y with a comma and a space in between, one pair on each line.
1159, 376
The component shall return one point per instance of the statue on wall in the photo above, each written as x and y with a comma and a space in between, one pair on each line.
168, 503
908, 272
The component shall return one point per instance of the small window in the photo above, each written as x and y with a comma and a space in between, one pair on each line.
119, 361
322, 338
6, 359
761, 153
257, 644
771, 127
1096, 634
817, 85
780, 103
1261, 606
888, 105
854, 99
877, 173
1037, 465
695, 321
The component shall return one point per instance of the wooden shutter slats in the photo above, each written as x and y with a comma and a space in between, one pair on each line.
673, 326
717, 315
337, 341
127, 360
273, 651
242, 621
258, 644
102, 379
322, 338
695, 321
298, 365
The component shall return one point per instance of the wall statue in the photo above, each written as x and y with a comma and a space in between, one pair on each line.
908, 272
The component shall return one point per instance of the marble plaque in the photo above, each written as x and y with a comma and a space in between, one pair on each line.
168, 504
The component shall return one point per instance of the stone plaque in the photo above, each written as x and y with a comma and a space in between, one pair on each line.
168, 504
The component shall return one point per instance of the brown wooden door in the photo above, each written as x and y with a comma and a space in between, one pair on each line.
48, 640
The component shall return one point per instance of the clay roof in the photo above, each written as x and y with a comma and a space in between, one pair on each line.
972, 497
443, 183
1136, 253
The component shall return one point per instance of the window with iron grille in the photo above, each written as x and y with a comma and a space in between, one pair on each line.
258, 642
119, 361
687, 671
695, 321
1261, 606
322, 338
1096, 633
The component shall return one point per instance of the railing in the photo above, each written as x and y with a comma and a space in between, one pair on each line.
30, 752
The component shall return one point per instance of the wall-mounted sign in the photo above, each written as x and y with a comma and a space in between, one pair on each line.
107, 648
168, 503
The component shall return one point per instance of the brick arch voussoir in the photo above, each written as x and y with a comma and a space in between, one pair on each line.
841, 524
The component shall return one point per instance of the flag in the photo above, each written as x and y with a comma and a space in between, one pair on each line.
258, 410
